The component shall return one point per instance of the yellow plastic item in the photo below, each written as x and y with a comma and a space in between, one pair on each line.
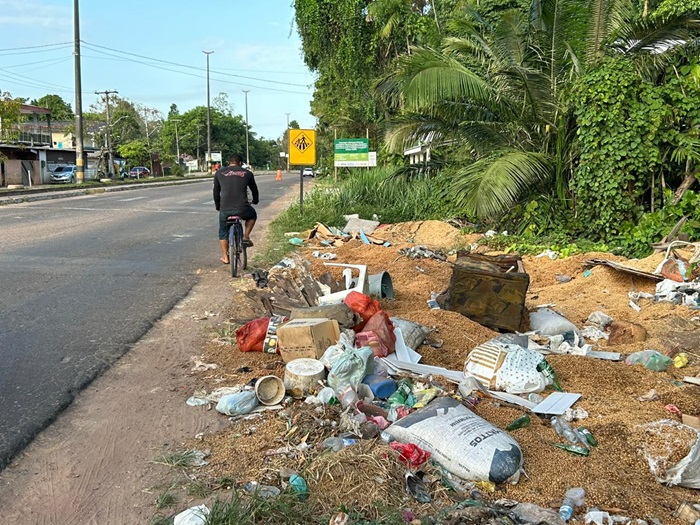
488, 486
680, 360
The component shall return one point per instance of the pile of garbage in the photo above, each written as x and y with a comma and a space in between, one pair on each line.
434, 407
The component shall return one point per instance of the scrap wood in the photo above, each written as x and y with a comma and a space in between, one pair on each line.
623, 268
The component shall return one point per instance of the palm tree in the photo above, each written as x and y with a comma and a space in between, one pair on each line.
497, 96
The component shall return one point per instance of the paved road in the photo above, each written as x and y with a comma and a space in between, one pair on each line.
82, 279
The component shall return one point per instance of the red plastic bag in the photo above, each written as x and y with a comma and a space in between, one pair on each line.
363, 305
251, 336
410, 454
378, 334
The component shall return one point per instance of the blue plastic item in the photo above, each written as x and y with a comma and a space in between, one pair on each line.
382, 387
299, 486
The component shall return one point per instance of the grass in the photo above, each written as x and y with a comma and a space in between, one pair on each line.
177, 459
199, 489
165, 499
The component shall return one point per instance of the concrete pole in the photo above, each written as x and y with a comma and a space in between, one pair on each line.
288, 145
80, 167
208, 115
247, 146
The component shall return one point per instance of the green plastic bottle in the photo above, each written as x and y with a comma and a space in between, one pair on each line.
520, 422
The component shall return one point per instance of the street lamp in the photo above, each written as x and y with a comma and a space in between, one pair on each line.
177, 139
208, 114
247, 149
288, 145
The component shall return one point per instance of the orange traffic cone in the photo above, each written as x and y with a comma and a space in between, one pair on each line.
279, 175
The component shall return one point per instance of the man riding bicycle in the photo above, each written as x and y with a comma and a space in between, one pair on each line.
231, 198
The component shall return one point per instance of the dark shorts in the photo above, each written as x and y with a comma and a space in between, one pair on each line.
245, 215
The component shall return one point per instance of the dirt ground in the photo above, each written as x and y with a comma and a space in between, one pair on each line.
616, 475
93, 465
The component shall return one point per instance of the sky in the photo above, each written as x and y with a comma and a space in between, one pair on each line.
254, 39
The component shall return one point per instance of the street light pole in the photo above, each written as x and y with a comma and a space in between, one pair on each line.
247, 148
177, 140
288, 145
208, 115
80, 167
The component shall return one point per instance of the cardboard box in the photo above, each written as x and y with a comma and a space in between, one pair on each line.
307, 338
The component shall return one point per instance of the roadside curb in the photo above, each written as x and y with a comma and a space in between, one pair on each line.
50, 195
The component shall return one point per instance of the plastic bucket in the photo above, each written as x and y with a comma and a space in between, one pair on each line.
380, 286
269, 390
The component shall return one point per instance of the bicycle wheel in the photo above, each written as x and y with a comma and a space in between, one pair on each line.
232, 250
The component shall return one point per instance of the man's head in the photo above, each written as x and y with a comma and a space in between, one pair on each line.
235, 160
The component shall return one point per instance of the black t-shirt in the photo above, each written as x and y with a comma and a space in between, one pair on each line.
231, 188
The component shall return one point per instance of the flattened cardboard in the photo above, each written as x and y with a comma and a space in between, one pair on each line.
307, 338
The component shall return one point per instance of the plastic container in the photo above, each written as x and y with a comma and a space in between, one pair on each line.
382, 387
337, 443
348, 397
270, 390
561, 427
572, 499
325, 394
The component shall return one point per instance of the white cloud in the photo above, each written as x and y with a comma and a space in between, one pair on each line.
36, 14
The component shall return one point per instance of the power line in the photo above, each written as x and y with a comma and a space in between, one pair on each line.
48, 84
4, 54
200, 76
36, 47
56, 60
194, 67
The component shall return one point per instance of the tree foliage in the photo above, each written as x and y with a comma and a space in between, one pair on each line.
60, 109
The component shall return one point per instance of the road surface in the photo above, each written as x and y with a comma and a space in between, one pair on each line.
82, 279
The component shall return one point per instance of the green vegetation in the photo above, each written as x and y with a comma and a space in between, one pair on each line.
577, 120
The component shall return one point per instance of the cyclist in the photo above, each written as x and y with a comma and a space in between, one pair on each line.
231, 185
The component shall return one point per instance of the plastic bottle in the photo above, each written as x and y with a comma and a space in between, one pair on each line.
325, 395
432, 302
572, 499
561, 427
338, 443
403, 390
382, 387
348, 397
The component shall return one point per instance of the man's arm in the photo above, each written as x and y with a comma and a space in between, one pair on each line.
217, 193
254, 189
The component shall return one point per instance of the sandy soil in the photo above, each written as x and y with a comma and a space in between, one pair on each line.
93, 465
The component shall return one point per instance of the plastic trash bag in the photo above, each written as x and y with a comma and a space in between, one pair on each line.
519, 372
251, 336
192, 516
410, 454
663, 439
547, 322
413, 333
345, 342
378, 334
350, 368
651, 359
463, 443
237, 404
362, 304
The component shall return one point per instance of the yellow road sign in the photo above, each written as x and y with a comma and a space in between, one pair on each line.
302, 147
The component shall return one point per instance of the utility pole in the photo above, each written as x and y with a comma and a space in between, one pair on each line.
177, 139
208, 115
198, 144
110, 153
247, 149
288, 145
80, 166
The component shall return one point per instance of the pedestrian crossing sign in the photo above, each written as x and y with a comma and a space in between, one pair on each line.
302, 147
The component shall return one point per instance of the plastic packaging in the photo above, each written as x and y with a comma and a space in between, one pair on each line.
299, 486
547, 322
378, 334
680, 360
237, 404
411, 454
192, 516
651, 359
521, 372
382, 387
363, 305
403, 390
432, 302
573, 498
348, 396
685, 472
262, 491
337, 443
351, 367
423, 397
251, 336
325, 395
413, 333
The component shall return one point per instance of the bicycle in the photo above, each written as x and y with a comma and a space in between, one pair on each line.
237, 254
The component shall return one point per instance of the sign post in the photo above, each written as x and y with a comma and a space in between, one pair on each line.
302, 151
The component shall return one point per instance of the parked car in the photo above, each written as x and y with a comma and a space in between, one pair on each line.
307, 172
64, 174
139, 172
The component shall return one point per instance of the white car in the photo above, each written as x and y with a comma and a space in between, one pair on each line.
307, 172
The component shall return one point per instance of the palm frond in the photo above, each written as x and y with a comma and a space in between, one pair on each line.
657, 36
490, 186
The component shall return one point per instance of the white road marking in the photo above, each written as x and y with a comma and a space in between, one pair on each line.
131, 199
185, 202
135, 210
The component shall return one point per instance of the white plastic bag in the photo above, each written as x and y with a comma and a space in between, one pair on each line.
547, 322
237, 404
192, 516
518, 374
463, 443
345, 342
351, 368
686, 472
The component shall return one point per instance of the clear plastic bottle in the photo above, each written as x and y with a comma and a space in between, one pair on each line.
572, 499
338, 443
561, 427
